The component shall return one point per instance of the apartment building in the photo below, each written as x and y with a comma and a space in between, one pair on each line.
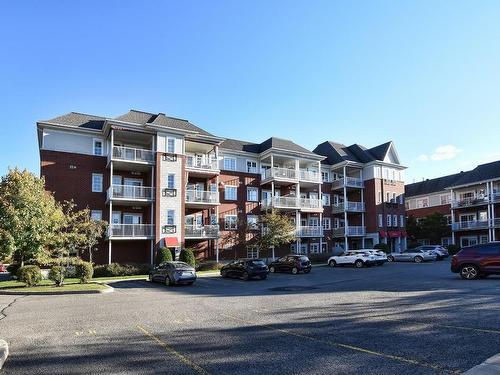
470, 200
163, 181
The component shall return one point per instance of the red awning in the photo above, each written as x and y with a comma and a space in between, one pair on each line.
171, 242
394, 233
403, 233
383, 233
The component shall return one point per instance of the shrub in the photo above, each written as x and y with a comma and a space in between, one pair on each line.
30, 275
116, 269
209, 266
453, 249
319, 258
57, 274
13, 268
84, 271
187, 256
382, 246
164, 255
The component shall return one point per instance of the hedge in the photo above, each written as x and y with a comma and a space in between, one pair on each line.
30, 275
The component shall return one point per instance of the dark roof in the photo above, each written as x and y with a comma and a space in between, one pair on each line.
431, 186
257, 148
338, 152
79, 120
482, 172
177, 123
136, 117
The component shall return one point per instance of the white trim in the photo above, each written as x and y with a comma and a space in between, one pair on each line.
102, 182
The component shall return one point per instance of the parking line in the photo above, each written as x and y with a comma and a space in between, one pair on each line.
181, 357
495, 331
351, 347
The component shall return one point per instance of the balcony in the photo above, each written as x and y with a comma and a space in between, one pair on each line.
280, 174
469, 202
495, 197
198, 198
352, 182
129, 193
349, 207
310, 231
201, 166
309, 176
135, 155
469, 225
294, 203
350, 231
311, 204
131, 231
201, 232
496, 222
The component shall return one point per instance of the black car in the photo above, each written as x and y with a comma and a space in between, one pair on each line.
245, 269
172, 273
291, 263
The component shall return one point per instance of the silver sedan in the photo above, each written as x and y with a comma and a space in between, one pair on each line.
412, 255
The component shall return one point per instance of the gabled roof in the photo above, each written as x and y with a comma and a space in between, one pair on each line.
431, 186
483, 172
338, 152
79, 120
136, 117
270, 143
237, 145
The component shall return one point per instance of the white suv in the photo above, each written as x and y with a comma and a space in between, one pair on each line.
379, 255
439, 250
353, 258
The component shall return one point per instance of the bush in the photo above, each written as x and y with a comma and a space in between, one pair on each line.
187, 256
209, 266
115, 269
30, 275
84, 271
319, 258
57, 274
13, 268
453, 249
382, 246
164, 255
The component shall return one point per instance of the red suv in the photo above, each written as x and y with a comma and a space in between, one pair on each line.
477, 261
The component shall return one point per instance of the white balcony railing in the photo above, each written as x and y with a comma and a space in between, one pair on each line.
349, 207
348, 182
280, 173
130, 192
133, 154
130, 230
495, 196
349, 231
310, 231
197, 196
311, 176
293, 202
467, 202
310, 203
474, 224
205, 231
204, 163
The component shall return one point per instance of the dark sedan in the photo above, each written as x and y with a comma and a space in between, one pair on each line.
245, 269
172, 273
291, 263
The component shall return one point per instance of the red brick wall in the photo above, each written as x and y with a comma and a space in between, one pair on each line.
423, 212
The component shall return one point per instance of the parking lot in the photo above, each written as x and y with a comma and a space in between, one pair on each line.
399, 318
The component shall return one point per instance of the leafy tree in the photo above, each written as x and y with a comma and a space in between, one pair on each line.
57, 274
276, 230
29, 217
164, 255
237, 238
412, 229
433, 227
187, 256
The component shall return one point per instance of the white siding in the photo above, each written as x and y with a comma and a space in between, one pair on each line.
55, 140
161, 143
171, 203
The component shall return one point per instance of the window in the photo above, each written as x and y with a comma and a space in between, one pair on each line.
171, 145
393, 200
96, 215
401, 220
468, 241
445, 199
389, 220
379, 197
380, 220
96, 182
230, 192
326, 199
422, 203
252, 221
251, 166
229, 163
326, 223
395, 220
401, 199
252, 194
252, 252
483, 239
325, 176
171, 181
448, 219
230, 222
314, 248
98, 147
388, 197
445, 241
170, 217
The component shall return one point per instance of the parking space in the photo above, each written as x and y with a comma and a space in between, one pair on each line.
400, 317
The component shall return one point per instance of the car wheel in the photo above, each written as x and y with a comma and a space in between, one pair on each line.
358, 264
272, 269
469, 272
295, 270
332, 263
390, 258
245, 276
223, 273
418, 259
263, 277
307, 270
167, 281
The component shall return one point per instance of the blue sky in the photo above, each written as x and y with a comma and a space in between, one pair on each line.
425, 74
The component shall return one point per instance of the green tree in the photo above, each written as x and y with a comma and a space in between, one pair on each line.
164, 255
412, 229
276, 230
29, 217
434, 227
187, 256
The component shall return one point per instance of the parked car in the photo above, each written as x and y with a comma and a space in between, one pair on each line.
477, 261
3, 268
379, 255
440, 251
417, 255
245, 269
352, 258
291, 263
172, 273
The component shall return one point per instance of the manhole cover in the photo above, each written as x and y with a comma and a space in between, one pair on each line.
293, 288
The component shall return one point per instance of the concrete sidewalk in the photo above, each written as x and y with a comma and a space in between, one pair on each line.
489, 367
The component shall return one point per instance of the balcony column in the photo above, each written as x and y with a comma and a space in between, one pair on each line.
321, 234
345, 204
362, 212
297, 191
151, 252
452, 219
297, 230
110, 223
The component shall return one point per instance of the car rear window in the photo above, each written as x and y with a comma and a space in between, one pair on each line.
257, 263
304, 259
181, 265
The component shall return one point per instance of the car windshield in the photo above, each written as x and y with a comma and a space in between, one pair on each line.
257, 263
181, 265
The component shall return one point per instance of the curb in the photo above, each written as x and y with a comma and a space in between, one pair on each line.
4, 352
489, 367
109, 289
209, 274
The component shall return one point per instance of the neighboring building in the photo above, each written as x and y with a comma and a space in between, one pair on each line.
471, 201
162, 181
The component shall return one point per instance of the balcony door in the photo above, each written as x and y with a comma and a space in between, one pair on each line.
130, 187
116, 217
132, 218
314, 221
